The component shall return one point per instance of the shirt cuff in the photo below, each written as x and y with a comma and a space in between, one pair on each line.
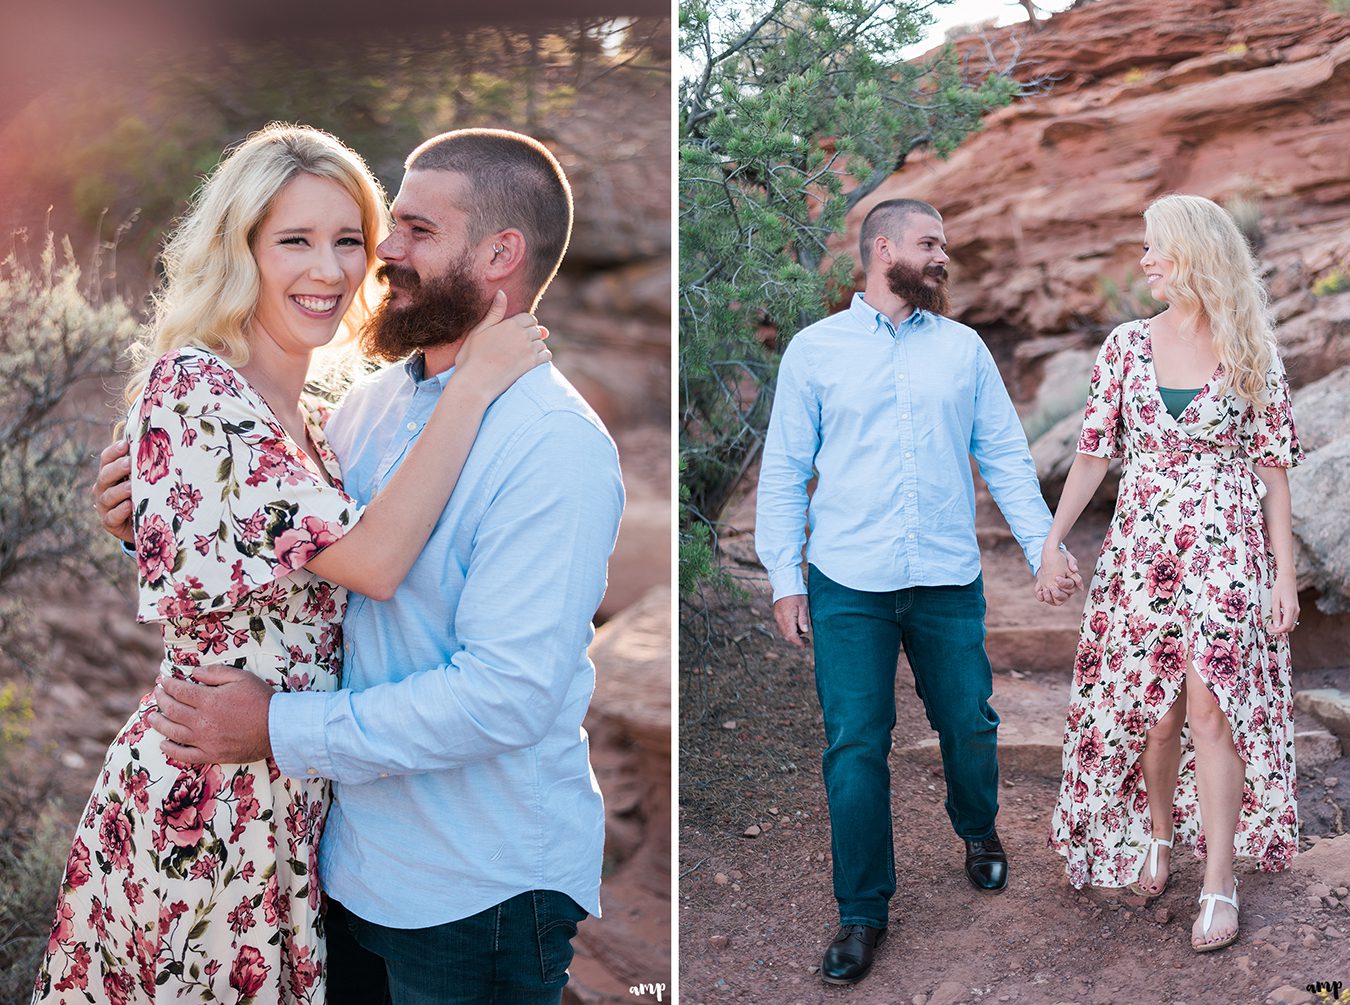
1035, 560
787, 582
295, 727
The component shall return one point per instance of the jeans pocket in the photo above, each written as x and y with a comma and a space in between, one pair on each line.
556, 916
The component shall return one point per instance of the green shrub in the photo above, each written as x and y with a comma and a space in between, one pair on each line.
1335, 281
33, 843
60, 339
1128, 299
1246, 213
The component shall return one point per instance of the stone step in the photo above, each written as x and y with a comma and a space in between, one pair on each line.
1021, 633
1031, 710
1329, 706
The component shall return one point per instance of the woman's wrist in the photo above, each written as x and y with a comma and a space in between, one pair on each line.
473, 393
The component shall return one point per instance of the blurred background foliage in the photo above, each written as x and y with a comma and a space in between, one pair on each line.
132, 148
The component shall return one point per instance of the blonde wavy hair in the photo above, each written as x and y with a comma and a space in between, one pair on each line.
211, 283
1215, 273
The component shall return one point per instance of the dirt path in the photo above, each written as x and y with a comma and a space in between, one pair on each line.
756, 913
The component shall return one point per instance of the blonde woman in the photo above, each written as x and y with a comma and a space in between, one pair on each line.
1179, 726
199, 882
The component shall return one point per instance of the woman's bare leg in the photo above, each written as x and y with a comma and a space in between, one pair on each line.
1160, 761
1219, 773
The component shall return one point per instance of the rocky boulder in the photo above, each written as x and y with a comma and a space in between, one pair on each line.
1322, 410
1322, 525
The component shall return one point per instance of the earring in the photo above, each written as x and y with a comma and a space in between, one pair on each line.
497, 249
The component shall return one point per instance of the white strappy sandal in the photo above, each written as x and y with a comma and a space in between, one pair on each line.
1153, 845
1209, 900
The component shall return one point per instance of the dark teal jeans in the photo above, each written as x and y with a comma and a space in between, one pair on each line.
516, 953
858, 636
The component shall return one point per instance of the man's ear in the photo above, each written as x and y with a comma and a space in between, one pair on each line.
505, 255
881, 250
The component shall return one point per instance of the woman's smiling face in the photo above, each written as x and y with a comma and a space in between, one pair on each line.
311, 258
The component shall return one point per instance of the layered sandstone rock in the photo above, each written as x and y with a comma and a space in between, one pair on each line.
1247, 103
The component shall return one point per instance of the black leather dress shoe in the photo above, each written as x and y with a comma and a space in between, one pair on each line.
850, 954
987, 865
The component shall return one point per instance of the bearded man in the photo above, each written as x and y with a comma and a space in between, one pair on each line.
884, 403
464, 841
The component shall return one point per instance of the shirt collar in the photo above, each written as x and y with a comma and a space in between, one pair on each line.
415, 366
873, 320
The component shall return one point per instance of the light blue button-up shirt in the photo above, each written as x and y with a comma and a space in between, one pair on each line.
888, 417
461, 767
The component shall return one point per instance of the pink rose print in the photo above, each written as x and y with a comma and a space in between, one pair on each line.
156, 549
115, 836
1168, 658
62, 928
1089, 441
297, 546
77, 866
1099, 623
137, 783
118, 986
276, 905
189, 804
1234, 604
1164, 576
304, 972
1087, 666
152, 455
1154, 694
1091, 750
1184, 537
249, 972
1222, 659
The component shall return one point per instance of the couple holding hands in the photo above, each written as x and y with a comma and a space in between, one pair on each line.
1179, 725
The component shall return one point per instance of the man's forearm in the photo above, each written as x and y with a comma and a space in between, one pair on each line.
522, 621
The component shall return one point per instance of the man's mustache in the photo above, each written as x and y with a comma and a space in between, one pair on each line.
398, 276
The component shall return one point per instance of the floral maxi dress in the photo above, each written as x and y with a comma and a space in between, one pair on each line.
1184, 577
198, 883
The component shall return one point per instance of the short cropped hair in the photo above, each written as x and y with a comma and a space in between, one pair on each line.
889, 218
516, 183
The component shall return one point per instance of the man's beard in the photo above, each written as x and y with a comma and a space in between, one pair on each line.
911, 286
439, 311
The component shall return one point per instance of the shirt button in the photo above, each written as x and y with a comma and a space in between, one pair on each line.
411, 427
311, 771
904, 415
909, 453
384, 774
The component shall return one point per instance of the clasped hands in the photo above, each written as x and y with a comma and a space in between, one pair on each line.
1058, 578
